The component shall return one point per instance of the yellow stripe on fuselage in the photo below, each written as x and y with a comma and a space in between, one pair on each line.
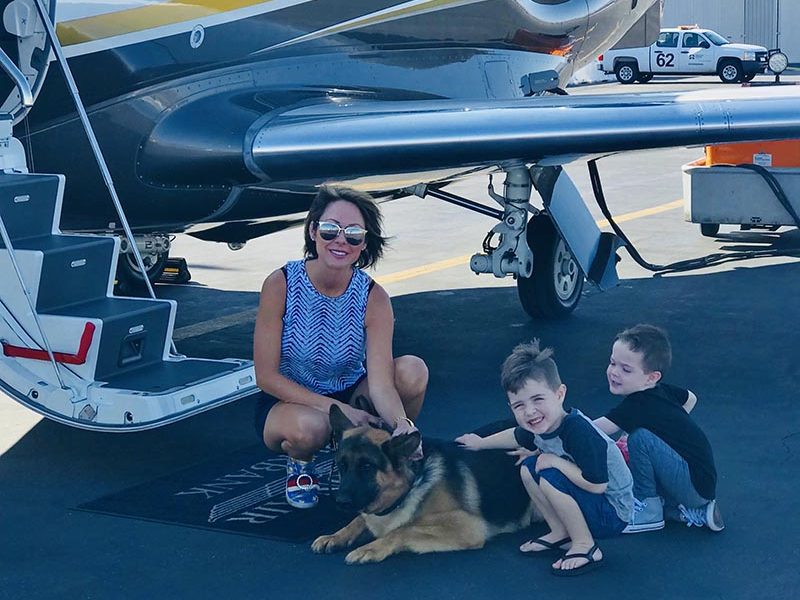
172, 12
111, 24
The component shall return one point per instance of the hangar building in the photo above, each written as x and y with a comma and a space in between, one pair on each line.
770, 23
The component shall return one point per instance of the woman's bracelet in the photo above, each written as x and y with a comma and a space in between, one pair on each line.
407, 420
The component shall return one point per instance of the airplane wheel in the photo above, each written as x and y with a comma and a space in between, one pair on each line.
129, 277
554, 288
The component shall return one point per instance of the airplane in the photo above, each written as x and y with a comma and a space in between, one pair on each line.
221, 119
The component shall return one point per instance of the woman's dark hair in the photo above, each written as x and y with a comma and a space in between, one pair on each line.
375, 242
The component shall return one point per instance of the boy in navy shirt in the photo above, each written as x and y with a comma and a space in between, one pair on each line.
669, 455
574, 474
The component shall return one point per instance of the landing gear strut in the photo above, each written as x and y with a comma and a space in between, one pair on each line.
549, 277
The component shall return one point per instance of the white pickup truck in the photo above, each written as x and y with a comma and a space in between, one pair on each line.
686, 51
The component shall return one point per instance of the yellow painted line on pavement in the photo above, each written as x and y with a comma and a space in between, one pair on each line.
212, 325
646, 212
461, 260
249, 315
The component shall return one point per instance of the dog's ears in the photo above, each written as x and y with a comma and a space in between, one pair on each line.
339, 422
402, 446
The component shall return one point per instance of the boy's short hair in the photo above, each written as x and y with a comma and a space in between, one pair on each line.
653, 344
527, 362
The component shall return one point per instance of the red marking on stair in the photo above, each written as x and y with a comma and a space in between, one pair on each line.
78, 358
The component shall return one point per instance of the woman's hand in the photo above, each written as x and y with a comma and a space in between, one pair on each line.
359, 417
404, 426
470, 441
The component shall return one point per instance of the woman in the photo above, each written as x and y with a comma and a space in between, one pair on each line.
319, 321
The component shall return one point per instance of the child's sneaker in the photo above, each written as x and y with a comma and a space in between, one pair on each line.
708, 515
648, 515
302, 486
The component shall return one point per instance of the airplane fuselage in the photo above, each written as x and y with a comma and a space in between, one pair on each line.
177, 91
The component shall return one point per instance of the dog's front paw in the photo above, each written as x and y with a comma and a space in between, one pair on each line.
367, 554
326, 544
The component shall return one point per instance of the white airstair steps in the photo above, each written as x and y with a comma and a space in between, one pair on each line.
114, 367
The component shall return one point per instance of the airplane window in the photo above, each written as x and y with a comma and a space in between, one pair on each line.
668, 39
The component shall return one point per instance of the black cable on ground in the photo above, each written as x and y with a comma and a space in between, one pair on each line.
703, 261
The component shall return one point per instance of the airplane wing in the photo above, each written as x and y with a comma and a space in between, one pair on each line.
341, 140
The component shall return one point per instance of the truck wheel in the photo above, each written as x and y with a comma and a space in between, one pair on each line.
730, 71
709, 229
644, 77
626, 72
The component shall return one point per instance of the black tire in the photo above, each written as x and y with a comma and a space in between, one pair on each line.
748, 77
554, 288
129, 278
730, 71
644, 77
709, 229
626, 72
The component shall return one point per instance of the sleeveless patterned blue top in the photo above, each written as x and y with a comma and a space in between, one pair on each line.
323, 346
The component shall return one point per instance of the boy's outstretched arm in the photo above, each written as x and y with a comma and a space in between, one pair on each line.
571, 471
690, 402
607, 426
502, 440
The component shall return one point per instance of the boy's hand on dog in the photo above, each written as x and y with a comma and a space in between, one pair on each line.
470, 441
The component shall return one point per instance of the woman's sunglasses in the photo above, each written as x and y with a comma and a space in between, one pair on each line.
353, 234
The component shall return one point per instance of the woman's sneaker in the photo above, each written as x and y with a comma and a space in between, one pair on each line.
648, 515
708, 515
302, 486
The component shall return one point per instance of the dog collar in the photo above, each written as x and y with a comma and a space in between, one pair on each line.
417, 468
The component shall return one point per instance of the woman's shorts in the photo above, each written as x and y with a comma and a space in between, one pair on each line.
266, 401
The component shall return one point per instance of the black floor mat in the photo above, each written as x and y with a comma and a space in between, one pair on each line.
241, 492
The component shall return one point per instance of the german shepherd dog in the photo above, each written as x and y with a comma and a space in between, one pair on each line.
452, 499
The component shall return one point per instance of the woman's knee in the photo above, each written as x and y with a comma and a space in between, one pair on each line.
302, 432
410, 376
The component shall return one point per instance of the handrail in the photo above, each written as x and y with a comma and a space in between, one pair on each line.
25, 92
27, 294
98, 154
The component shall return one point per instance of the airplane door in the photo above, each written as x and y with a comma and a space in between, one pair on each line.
663, 54
696, 55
